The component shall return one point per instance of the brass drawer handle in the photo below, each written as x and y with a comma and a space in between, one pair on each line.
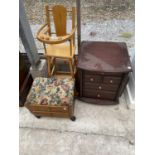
98, 95
111, 81
91, 79
100, 87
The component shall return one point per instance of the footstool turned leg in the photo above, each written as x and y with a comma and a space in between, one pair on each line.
38, 116
73, 118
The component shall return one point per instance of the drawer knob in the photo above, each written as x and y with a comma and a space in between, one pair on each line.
98, 95
65, 108
91, 79
111, 81
100, 87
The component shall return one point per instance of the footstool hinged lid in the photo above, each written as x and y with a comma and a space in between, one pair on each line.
51, 91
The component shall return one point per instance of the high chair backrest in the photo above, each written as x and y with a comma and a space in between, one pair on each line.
59, 14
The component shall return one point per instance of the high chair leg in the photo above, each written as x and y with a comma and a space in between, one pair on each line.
49, 66
71, 67
53, 65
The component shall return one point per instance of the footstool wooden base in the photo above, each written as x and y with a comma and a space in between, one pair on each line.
52, 111
52, 97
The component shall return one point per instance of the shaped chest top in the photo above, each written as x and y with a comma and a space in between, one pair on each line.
104, 57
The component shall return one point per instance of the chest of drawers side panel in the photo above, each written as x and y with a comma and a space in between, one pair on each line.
123, 84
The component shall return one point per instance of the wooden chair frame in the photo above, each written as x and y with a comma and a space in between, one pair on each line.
44, 35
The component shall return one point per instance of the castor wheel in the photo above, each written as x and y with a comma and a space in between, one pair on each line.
73, 118
38, 116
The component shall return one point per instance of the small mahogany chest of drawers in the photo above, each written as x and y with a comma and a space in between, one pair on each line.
102, 71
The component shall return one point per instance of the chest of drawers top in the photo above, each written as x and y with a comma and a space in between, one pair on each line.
104, 57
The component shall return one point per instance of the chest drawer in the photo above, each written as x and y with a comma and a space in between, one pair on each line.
111, 80
102, 78
92, 78
100, 86
99, 94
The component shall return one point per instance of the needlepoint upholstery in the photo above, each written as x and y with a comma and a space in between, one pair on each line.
51, 91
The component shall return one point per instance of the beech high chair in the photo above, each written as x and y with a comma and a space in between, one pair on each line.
58, 44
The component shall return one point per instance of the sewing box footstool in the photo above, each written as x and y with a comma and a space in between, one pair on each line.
51, 97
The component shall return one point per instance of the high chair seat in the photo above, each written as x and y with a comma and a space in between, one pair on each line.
59, 50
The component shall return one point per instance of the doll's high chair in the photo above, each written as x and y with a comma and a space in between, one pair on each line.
58, 44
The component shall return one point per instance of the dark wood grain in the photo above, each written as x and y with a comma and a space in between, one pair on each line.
99, 94
98, 101
104, 57
100, 86
102, 70
25, 79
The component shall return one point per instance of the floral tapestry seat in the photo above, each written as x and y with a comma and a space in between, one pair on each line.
51, 97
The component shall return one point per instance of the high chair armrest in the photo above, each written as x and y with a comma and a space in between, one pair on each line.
42, 29
47, 39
